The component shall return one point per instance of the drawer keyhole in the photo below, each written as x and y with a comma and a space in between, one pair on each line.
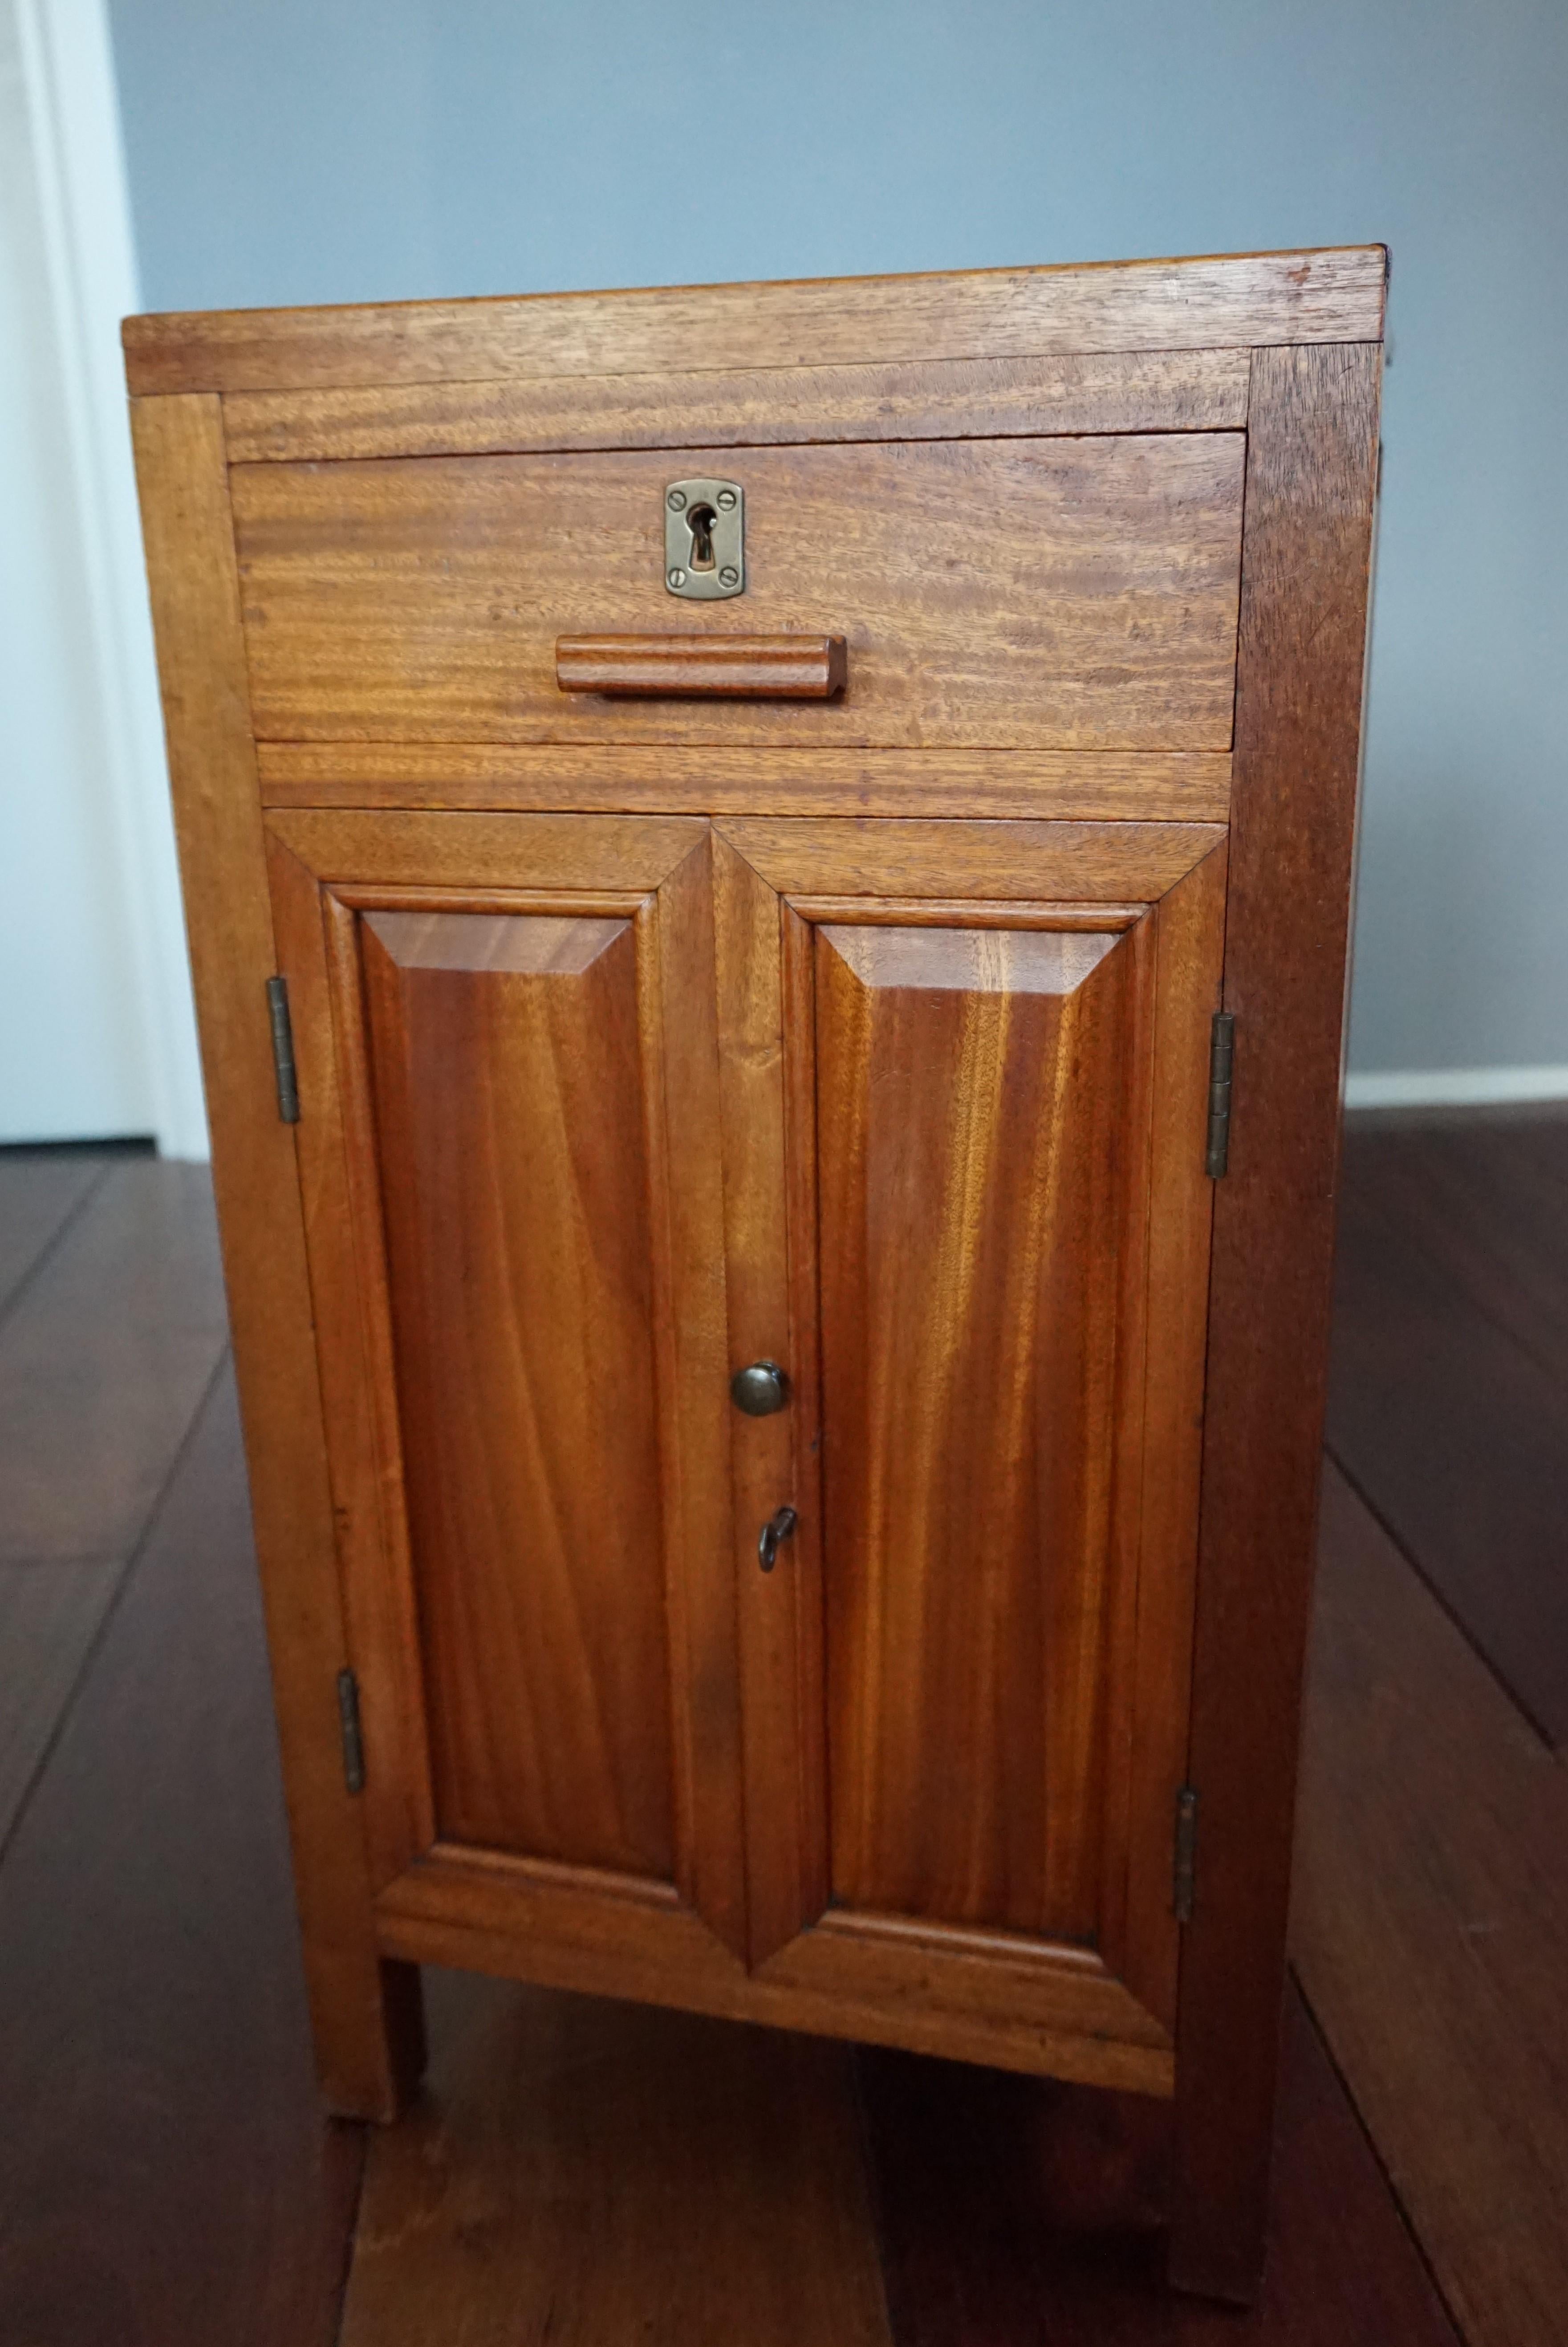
700, 521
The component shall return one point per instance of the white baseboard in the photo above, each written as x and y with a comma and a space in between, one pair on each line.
1453, 1087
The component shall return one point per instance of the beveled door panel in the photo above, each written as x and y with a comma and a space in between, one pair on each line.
978, 1197
509, 1106
510, 1152
982, 1144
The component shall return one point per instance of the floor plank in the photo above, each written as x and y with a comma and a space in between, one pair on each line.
1429, 1925
993, 2236
1444, 1409
589, 2173
166, 2178
38, 1193
1487, 1196
49, 1614
103, 1360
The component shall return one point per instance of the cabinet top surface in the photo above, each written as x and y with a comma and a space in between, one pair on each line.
1332, 295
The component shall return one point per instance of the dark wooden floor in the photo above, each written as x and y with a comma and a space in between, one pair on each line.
583, 2172
1450, 1406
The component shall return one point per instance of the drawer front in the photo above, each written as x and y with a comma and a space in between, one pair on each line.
1073, 594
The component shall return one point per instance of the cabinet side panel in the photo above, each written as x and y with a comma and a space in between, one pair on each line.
1311, 472
973, 1152
366, 2015
509, 1107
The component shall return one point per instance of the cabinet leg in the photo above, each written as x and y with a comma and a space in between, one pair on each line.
1224, 2141
1217, 2251
369, 2026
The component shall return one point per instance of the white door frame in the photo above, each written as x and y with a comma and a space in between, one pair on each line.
72, 115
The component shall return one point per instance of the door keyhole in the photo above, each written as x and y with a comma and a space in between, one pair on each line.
700, 521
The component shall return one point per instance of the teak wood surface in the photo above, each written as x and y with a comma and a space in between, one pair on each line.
731, 667
1086, 786
1312, 464
989, 398
366, 2010
487, 1204
1333, 296
641, 1037
1030, 594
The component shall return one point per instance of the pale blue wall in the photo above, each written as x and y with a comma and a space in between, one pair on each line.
281, 152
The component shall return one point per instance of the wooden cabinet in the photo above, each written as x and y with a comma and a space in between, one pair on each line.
637, 1038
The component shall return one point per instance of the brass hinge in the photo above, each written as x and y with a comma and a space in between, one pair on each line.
283, 1049
1222, 1046
352, 1736
1184, 1858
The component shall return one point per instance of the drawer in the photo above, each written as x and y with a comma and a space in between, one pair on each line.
1073, 594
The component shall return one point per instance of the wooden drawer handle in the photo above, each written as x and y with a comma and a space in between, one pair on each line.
728, 668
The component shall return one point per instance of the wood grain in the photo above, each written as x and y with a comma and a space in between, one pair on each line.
166, 2178
1333, 295
1019, 1984
1014, 2214
365, 2015
585, 865
103, 1360
39, 1192
527, 1133
1134, 1684
1033, 594
724, 667
965, 913
1446, 1401
1311, 473
513, 1162
468, 852
1130, 390
1428, 1924
973, 1997
844, 856
680, 1044
1154, 1697
773, 1459
345, 1246
587, 2171
1156, 786
969, 1093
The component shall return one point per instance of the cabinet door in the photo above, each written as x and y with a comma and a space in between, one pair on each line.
510, 1151
971, 1191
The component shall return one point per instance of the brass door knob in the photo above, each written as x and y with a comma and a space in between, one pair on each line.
760, 1389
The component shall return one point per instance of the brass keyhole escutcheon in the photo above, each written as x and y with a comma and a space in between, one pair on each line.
704, 540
